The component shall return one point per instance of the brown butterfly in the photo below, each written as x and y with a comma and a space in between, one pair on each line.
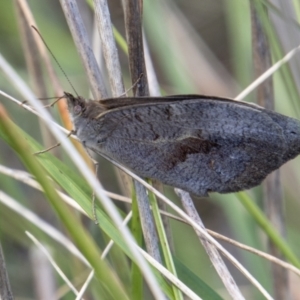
197, 143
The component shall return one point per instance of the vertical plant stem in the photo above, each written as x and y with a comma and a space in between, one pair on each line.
34, 66
133, 26
113, 66
84, 48
5, 290
109, 47
134, 36
273, 200
210, 249
154, 90
136, 275
150, 234
164, 243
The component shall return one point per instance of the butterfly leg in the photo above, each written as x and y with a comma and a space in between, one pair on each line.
54, 146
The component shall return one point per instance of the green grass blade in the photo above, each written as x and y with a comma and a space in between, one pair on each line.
164, 243
136, 229
194, 282
80, 236
267, 227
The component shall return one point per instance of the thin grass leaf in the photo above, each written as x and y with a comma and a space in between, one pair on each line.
164, 243
194, 282
70, 181
136, 229
78, 233
267, 227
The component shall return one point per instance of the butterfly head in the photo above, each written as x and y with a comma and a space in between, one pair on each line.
76, 105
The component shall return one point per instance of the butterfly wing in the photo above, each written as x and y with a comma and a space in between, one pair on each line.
199, 145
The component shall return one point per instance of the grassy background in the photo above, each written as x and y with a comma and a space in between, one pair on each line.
218, 30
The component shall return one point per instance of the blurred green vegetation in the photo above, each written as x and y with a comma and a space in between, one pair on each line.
224, 29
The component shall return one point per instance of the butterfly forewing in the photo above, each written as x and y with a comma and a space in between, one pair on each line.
199, 145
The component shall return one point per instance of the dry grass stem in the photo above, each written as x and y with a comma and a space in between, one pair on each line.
273, 198
109, 47
84, 48
196, 226
133, 27
5, 289
210, 249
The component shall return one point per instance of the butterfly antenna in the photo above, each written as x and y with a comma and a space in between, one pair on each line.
55, 59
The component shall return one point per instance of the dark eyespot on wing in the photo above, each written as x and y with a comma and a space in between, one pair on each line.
191, 145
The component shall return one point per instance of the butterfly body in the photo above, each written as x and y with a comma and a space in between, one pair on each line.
197, 143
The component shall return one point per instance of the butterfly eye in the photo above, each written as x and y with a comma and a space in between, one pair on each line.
77, 109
